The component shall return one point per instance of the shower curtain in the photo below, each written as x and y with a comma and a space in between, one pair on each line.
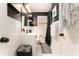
48, 36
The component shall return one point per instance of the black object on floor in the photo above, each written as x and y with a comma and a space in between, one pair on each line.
24, 50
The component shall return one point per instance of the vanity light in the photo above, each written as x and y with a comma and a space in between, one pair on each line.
23, 10
27, 8
19, 6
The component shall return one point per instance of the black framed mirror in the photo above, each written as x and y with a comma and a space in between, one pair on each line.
55, 12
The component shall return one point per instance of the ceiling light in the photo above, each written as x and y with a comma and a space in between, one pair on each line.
28, 8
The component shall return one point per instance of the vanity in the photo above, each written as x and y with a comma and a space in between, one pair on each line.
30, 39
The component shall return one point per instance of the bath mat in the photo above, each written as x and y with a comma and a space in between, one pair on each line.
46, 49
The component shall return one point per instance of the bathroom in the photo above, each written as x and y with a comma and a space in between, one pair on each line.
47, 28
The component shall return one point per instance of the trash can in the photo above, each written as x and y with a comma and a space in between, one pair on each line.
24, 50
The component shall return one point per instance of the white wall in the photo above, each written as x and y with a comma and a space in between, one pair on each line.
11, 29
55, 44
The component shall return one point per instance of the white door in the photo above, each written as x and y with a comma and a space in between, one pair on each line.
42, 27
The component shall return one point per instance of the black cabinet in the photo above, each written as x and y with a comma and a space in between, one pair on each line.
24, 50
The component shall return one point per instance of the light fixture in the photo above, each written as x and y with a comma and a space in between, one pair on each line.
27, 7
24, 10
19, 6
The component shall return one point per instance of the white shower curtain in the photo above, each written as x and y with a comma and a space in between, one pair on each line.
69, 10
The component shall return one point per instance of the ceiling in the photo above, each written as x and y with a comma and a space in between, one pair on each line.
40, 7
34, 7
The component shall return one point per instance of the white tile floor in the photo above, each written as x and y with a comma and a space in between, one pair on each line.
39, 51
